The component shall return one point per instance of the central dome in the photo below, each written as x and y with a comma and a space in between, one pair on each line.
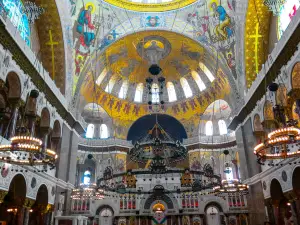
150, 5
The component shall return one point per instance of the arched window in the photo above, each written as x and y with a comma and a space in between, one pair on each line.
138, 97
87, 177
155, 93
222, 127
209, 128
103, 131
186, 88
90, 131
101, 76
124, 89
207, 72
110, 84
198, 80
14, 10
228, 173
171, 92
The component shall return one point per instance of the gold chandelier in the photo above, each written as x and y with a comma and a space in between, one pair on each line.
87, 191
231, 186
27, 151
277, 145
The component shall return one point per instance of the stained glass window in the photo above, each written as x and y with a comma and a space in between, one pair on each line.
14, 10
287, 11
171, 92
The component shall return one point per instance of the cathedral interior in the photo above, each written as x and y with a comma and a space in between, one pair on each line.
149, 112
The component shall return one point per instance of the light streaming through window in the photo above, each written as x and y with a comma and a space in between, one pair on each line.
155, 93
171, 92
186, 88
87, 177
209, 128
198, 80
222, 127
207, 72
90, 131
124, 89
101, 76
138, 97
104, 131
110, 85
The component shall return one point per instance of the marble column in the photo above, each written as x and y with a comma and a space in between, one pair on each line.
31, 124
13, 118
45, 132
26, 216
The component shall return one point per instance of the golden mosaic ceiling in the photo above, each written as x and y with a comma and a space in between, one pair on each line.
151, 7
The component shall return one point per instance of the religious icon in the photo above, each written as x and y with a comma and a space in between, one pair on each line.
84, 25
152, 21
223, 30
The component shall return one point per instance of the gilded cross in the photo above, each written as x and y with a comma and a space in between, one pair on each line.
256, 37
51, 43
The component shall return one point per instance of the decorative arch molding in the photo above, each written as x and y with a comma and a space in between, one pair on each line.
213, 204
152, 198
102, 207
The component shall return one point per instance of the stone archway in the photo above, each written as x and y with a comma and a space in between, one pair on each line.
38, 215
281, 205
11, 210
106, 215
213, 213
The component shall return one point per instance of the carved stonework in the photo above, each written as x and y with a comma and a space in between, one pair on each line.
2, 195
28, 203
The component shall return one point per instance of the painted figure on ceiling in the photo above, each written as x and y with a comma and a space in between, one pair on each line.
222, 30
84, 25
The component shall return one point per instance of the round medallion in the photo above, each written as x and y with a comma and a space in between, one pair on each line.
33, 182
53, 191
264, 185
284, 176
4, 170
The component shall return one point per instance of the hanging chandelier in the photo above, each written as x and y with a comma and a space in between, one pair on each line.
281, 143
87, 191
27, 151
231, 186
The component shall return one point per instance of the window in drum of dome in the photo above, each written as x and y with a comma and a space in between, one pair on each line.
228, 174
198, 81
171, 92
138, 97
90, 131
155, 93
110, 85
222, 127
103, 131
207, 72
101, 76
124, 89
209, 128
186, 88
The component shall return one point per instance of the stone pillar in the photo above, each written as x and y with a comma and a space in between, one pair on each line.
44, 131
13, 118
31, 124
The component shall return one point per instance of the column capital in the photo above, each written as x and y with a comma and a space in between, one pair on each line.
28, 203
